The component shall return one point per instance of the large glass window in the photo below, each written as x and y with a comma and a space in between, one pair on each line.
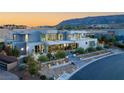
77, 36
70, 36
48, 37
39, 48
43, 37
70, 46
51, 37
91, 43
60, 37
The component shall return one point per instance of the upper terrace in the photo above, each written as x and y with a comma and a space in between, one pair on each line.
47, 35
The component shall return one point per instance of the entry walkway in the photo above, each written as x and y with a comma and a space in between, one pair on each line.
75, 60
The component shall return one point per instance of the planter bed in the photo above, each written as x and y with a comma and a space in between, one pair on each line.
94, 53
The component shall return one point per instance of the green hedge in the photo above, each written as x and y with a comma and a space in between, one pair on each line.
43, 58
99, 48
91, 49
80, 50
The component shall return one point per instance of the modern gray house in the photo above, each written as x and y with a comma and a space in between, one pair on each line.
44, 41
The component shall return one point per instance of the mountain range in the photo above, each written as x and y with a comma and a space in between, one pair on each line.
96, 20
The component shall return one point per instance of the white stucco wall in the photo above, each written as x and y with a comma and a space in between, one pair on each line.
84, 43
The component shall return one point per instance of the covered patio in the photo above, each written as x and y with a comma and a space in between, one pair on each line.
54, 46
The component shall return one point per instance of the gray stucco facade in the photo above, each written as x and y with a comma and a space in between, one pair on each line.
39, 40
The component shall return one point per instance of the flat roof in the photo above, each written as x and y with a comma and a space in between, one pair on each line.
54, 31
48, 31
8, 59
76, 31
85, 38
58, 42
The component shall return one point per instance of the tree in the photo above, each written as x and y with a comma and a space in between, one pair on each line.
32, 66
43, 58
60, 54
102, 39
113, 40
15, 52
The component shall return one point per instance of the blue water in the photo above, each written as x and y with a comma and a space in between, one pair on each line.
110, 68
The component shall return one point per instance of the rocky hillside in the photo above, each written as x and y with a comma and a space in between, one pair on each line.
97, 20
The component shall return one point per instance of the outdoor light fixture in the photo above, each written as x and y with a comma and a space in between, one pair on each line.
22, 49
74, 54
66, 56
64, 45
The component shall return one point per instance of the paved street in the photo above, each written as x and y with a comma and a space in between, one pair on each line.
110, 68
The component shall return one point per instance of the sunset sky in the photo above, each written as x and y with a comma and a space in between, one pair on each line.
44, 18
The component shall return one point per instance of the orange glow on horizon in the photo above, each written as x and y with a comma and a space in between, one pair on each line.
44, 18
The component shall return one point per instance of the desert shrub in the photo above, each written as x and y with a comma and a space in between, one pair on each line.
60, 54
43, 58
90, 49
99, 48
80, 50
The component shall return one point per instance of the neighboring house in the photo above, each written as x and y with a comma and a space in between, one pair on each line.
7, 62
44, 41
119, 33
